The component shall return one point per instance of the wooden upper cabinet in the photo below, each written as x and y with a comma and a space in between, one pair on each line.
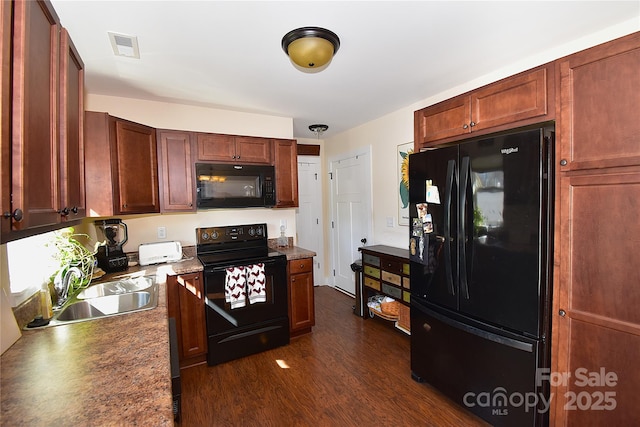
175, 168
42, 121
600, 99
34, 150
71, 130
251, 149
135, 168
286, 167
121, 166
515, 101
233, 149
5, 116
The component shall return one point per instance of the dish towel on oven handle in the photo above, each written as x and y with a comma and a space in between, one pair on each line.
235, 287
256, 283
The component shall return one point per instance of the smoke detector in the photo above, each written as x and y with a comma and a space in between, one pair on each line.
124, 45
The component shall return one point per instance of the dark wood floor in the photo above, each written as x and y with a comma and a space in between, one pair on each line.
349, 371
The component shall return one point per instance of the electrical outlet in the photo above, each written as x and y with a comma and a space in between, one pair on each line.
162, 232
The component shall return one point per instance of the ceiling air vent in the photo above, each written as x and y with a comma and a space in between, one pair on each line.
124, 45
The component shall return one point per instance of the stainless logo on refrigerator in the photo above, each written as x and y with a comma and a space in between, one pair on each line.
509, 150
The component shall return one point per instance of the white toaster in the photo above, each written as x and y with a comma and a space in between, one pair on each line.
158, 252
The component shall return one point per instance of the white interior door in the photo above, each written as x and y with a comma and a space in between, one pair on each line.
351, 214
309, 213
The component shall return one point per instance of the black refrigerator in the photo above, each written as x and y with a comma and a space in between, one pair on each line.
480, 250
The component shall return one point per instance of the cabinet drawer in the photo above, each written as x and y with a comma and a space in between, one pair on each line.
372, 271
372, 283
391, 265
300, 265
406, 283
406, 297
370, 259
390, 290
391, 278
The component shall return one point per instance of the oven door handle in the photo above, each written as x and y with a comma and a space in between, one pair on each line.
222, 268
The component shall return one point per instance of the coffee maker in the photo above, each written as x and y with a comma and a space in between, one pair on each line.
109, 252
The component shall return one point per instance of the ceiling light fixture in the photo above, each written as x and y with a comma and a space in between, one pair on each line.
310, 48
318, 129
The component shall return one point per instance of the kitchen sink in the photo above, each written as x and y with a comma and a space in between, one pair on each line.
109, 299
116, 287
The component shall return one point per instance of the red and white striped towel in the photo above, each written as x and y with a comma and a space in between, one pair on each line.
256, 283
235, 286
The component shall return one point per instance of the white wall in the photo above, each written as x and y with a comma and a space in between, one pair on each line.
187, 117
386, 133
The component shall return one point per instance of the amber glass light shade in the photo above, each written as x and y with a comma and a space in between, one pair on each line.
310, 47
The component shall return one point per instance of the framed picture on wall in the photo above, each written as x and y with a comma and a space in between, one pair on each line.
403, 182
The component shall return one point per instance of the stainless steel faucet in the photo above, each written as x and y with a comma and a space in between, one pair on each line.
61, 284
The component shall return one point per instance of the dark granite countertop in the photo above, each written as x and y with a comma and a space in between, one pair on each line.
295, 252
109, 371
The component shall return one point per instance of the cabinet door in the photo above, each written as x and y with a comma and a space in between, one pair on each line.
517, 98
216, 147
446, 119
71, 130
251, 149
596, 319
286, 167
186, 304
301, 298
599, 124
5, 116
136, 168
175, 166
35, 182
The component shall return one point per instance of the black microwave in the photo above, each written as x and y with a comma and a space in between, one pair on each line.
235, 186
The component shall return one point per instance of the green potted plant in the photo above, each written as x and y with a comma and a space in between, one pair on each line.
71, 254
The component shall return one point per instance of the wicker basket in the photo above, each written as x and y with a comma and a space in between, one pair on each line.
373, 311
391, 308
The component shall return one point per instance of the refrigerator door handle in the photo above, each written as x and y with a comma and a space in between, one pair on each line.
464, 182
451, 167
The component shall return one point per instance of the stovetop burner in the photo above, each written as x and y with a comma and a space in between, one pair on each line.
233, 244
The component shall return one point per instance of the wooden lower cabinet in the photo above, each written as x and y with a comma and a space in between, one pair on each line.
301, 299
185, 303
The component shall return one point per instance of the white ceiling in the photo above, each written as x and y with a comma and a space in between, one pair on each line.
227, 54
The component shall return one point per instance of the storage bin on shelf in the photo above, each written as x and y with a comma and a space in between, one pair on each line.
389, 309
384, 307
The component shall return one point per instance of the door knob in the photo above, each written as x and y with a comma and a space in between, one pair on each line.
363, 240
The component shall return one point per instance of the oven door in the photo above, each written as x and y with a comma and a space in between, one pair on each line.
222, 317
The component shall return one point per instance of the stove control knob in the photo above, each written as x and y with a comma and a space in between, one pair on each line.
214, 235
259, 231
204, 236
252, 232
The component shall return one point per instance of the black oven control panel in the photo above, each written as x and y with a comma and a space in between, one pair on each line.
231, 233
